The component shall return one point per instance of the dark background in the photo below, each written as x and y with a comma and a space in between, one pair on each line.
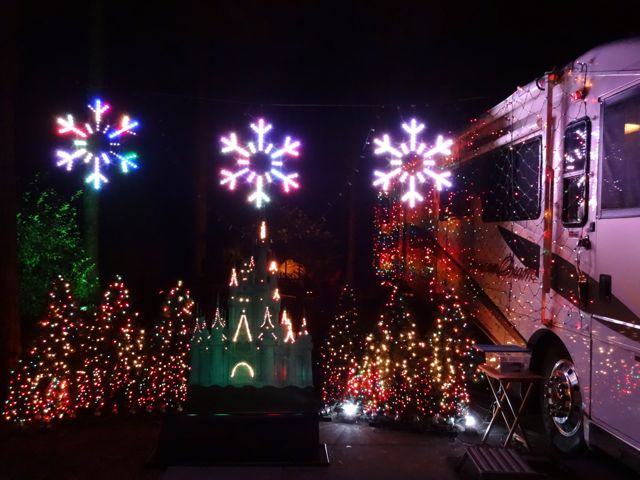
326, 73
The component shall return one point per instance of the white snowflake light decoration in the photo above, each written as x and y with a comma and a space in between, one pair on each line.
411, 161
259, 163
96, 144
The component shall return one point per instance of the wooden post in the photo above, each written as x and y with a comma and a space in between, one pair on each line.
547, 242
9, 306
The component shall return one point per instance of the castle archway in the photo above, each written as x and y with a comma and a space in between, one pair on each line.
242, 372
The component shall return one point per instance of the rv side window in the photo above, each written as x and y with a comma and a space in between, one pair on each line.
577, 143
620, 184
457, 201
513, 182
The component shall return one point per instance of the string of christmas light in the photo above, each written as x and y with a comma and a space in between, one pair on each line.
97, 144
401, 252
496, 199
260, 163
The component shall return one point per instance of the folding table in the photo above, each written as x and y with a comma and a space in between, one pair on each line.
499, 383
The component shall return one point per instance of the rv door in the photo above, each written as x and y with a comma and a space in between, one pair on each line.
616, 308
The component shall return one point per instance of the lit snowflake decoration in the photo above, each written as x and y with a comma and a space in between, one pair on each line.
408, 162
96, 144
259, 163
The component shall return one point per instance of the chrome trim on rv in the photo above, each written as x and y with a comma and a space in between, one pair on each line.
617, 322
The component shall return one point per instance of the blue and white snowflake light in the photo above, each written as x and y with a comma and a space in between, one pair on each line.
259, 163
97, 144
411, 161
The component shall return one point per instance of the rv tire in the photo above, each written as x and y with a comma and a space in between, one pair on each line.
561, 402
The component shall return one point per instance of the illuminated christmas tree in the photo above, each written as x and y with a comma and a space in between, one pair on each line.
452, 364
42, 386
390, 379
168, 365
365, 385
112, 354
95, 335
124, 380
342, 349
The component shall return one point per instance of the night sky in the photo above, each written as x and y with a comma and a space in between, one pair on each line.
327, 73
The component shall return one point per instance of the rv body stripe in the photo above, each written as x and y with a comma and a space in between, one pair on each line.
614, 314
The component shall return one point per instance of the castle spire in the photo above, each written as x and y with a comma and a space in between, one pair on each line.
200, 331
234, 278
217, 327
303, 328
263, 231
289, 336
218, 321
261, 261
267, 326
243, 323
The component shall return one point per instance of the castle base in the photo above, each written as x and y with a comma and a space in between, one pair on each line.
210, 434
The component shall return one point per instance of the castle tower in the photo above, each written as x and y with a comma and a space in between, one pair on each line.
286, 365
267, 341
304, 347
218, 365
242, 363
200, 353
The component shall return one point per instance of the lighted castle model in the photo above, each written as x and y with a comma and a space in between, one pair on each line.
257, 346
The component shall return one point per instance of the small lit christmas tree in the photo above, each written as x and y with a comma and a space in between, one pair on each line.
452, 364
124, 381
95, 335
112, 354
42, 386
365, 385
168, 366
390, 379
342, 349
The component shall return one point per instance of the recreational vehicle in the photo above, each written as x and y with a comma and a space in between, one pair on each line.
541, 231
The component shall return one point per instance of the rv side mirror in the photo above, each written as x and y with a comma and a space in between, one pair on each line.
585, 243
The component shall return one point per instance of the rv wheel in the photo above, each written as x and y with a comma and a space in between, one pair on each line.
562, 402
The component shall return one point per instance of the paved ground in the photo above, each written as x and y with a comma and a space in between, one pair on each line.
122, 448
355, 451
360, 451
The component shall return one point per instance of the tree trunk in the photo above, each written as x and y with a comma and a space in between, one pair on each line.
9, 310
